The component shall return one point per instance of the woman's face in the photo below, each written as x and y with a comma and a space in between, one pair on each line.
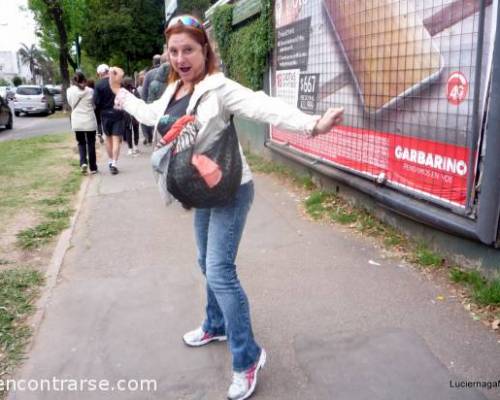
187, 57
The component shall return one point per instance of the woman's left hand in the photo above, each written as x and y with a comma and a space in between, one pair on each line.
332, 116
160, 143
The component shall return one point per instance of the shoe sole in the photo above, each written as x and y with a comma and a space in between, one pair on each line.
206, 341
260, 365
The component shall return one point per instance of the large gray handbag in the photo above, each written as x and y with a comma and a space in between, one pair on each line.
184, 180
179, 175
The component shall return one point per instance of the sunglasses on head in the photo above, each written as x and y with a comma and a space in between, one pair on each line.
186, 20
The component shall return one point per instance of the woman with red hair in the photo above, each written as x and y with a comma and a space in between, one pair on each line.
194, 83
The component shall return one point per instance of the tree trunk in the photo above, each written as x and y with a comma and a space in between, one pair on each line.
55, 9
72, 63
32, 72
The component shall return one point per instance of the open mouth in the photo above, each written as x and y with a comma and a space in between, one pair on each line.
184, 70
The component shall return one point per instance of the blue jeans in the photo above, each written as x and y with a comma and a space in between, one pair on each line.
218, 233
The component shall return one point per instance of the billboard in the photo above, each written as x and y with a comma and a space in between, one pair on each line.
405, 73
170, 9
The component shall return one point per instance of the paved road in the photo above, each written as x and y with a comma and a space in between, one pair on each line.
35, 125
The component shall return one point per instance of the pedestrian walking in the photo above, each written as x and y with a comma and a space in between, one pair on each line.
83, 121
131, 124
196, 84
158, 83
140, 81
91, 84
147, 130
112, 120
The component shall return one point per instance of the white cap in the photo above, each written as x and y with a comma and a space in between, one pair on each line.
102, 69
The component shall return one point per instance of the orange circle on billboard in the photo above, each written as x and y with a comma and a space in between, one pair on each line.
457, 88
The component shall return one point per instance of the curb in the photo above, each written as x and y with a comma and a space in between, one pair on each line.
54, 267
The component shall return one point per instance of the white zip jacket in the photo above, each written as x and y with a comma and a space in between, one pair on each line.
222, 97
82, 116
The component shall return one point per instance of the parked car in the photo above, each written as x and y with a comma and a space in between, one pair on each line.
7, 92
5, 114
56, 92
33, 99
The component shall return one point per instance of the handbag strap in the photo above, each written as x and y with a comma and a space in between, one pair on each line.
78, 102
193, 112
195, 108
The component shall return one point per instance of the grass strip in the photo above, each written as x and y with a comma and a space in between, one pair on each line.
484, 291
57, 213
42, 176
33, 169
18, 290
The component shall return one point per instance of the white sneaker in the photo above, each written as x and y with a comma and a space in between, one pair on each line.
199, 337
244, 383
84, 168
130, 152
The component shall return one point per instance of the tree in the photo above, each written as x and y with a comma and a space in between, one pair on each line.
16, 81
48, 69
30, 56
58, 20
126, 33
194, 7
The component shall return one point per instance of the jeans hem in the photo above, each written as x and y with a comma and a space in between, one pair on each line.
235, 369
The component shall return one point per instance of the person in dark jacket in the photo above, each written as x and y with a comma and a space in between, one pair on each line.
91, 84
148, 78
112, 120
131, 124
158, 82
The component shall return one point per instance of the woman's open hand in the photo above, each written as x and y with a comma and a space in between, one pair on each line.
332, 116
115, 78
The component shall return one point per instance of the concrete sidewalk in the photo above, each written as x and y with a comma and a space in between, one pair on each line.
334, 325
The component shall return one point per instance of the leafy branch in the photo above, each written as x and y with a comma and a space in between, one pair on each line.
244, 50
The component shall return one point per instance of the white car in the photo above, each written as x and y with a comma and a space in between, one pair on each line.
56, 91
33, 99
7, 92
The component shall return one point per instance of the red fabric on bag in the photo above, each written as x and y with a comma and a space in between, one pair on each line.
177, 127
208, 169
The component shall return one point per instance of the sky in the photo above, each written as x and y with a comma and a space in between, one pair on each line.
16, 26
